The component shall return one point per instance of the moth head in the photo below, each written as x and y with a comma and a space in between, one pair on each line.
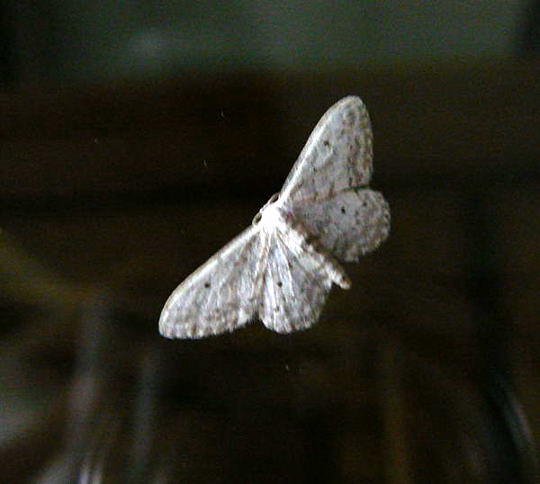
273, 199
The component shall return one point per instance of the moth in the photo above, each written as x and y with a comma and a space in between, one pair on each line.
282, 267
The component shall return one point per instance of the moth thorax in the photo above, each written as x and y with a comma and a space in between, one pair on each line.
273, 216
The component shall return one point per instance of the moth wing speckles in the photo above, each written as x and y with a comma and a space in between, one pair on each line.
295, 287
338, 155
348, 225
222, 295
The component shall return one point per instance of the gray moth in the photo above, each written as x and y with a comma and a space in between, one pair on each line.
282, 267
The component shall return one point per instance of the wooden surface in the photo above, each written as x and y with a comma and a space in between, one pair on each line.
246, 130
125, 189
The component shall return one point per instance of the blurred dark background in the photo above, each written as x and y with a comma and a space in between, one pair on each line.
138, 137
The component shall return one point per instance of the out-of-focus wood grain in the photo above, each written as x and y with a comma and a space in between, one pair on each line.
245, 130
126, 189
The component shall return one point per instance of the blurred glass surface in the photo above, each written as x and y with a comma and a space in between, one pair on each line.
76, 41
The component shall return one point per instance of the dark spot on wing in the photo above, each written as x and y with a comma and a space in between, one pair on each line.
343, 210
364, 204
310, 239
207, 285
326, 142
279, 283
